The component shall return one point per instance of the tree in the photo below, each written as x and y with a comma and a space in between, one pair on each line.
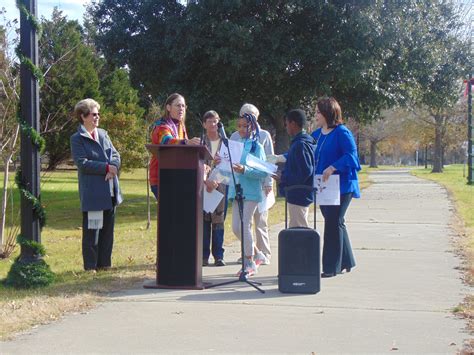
70, 69
389, 125
276, 54
9, 130
446, 63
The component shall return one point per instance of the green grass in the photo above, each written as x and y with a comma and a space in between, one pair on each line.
463, 194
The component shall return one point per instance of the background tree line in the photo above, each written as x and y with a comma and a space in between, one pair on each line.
371, 55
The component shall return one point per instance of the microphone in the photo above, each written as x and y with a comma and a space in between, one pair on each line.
201, 139
220, 130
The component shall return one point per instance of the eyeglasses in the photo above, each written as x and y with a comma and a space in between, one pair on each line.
94, 114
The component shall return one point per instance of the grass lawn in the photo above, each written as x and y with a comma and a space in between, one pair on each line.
75, 290
463, 196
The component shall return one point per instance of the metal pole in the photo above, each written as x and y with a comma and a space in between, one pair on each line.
30, 159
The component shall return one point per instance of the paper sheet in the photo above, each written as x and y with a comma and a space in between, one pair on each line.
261, 165
211, 200
236, 149
267, 202
327, 193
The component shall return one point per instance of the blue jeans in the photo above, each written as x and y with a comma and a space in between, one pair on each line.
337, 250
217, 241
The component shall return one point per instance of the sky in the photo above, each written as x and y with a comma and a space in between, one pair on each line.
73, 9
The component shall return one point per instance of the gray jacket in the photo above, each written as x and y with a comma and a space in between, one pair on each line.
91, 159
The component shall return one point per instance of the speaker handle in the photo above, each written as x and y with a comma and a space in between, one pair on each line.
305, 187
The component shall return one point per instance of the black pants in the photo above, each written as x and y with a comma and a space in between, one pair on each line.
97, 243
337, 250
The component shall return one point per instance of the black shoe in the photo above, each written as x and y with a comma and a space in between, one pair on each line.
205, 262
219, 262
328, 274
348, 269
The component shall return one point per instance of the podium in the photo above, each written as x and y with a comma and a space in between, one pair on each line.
180, 217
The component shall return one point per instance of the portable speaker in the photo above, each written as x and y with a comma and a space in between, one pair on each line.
299, 269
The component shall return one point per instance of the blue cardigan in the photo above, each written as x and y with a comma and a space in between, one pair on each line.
252, 179
338, 148
299, 170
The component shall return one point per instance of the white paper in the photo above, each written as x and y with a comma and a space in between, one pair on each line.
236, 149
221, 177
261, 165
211, 200
327, 193
267, 202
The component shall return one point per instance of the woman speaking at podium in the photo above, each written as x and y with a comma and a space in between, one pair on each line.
169, 129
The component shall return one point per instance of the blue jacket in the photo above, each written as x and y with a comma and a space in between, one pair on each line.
91, 158
252, 179
338, 148
299, 170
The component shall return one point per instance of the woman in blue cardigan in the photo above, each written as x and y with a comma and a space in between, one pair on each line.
336, 153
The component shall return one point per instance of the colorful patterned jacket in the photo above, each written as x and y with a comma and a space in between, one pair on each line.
166, 131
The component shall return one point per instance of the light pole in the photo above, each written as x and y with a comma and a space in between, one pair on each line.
30, 157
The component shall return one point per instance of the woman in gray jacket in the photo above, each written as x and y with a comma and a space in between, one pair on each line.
98, 164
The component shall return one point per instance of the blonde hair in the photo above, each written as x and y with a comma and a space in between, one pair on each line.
84, 107
249, 109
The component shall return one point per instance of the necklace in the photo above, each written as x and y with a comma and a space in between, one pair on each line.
320, 148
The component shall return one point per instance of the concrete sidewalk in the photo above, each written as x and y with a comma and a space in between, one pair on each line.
397, 300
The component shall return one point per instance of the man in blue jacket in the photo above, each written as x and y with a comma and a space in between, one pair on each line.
299, 169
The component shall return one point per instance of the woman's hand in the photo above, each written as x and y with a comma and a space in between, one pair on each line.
194, 141
113, 171
238, 168
211, 185
328, 172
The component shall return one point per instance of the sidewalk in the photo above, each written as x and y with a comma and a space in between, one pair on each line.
396, 300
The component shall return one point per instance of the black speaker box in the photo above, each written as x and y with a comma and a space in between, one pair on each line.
299, 261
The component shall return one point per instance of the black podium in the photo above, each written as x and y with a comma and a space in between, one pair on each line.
180, 222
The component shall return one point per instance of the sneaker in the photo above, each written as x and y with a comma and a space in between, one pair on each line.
250, 268
219, 262
261, 259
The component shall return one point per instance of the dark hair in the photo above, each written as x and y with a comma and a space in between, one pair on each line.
330, 109
210, 114
170, 100
252, 125
298, 116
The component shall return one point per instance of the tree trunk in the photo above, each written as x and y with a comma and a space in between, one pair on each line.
438, 147
281, 136
426, 156
3, 206
373, 154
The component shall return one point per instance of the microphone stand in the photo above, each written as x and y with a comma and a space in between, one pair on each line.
239, 197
